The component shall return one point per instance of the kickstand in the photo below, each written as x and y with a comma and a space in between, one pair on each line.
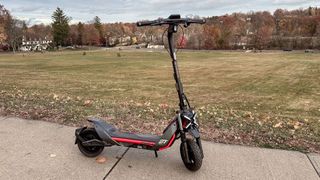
156, 153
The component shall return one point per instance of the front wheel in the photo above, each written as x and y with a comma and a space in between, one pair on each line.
194, 154
89, 151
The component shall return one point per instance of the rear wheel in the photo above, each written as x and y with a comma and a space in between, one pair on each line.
194, 154
89, 151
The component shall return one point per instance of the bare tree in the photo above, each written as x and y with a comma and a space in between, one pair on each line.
14, 31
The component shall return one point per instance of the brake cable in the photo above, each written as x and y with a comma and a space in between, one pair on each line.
166, 30
177, 50
181, 41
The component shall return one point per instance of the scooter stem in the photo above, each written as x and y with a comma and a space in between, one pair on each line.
173, 28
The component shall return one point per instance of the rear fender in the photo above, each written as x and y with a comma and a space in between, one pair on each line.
77, 134
98, 126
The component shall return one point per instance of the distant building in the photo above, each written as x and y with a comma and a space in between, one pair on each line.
122, 41
35, 45
150, 46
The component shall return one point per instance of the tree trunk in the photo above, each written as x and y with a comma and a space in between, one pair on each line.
13, 47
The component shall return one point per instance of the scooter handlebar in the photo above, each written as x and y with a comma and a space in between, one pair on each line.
159, 22
147, 23
197, 21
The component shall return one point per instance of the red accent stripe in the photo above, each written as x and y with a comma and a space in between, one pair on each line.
133, 141
170, 143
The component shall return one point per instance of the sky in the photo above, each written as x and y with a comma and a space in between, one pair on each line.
40, 11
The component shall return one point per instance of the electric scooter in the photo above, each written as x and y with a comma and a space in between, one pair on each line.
92, 140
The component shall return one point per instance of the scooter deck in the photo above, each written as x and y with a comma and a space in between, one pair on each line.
123, 136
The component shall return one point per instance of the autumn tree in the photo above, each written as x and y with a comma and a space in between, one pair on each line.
91, 36
298, 29
227, 31
196, 37
263, 26
4, 14
60, 27
39, 31
211, 35
80, 29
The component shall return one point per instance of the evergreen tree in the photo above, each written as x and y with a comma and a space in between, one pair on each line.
60, 27
80, 29
99, 28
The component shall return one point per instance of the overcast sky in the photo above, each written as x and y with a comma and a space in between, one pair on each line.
40, 11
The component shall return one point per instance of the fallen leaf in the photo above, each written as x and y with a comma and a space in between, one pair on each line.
297, 125
55, 97
87, 103
101, 159
278, 125
247, 115
138, 104
53, 155
163, 106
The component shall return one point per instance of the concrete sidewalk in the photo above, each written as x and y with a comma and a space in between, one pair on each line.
42, 150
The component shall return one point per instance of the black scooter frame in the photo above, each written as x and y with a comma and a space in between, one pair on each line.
184, 122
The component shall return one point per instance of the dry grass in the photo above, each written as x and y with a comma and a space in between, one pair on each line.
269, 99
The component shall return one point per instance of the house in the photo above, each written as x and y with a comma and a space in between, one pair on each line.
122, 40
35, 45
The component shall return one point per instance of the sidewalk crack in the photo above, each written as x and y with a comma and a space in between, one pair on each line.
105, 177
314, 167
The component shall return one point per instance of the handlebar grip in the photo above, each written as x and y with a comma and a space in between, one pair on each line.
145, 23
197, 21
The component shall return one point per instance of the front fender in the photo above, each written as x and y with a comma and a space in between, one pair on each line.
196, 135
194, 132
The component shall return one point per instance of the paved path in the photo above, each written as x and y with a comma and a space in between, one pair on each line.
42, 150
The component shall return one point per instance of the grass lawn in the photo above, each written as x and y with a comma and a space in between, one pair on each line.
269, 99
